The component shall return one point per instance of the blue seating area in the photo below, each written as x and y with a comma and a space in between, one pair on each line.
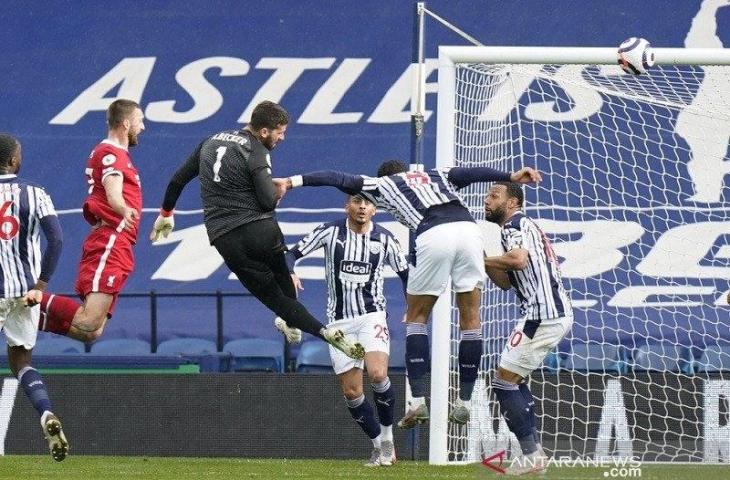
314, 357
591, 357
662, 357
187, 346
58, 346
265, 355
121, 346
256, 355
651, 357
714, 359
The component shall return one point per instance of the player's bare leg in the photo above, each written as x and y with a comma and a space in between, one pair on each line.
89, 321
19, 359
417, 357
470, 352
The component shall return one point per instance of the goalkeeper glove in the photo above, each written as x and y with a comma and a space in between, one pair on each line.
163, 225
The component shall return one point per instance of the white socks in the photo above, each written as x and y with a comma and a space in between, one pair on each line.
386, 433
45, 416
417, 402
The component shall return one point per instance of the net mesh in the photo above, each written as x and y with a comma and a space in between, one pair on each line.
633, 202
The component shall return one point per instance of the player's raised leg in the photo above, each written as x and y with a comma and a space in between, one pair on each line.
106, 263
65, 316
470, 352
259, 277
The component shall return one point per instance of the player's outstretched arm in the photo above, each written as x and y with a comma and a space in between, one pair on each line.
464, 176
347, 183
526, 175
165, 221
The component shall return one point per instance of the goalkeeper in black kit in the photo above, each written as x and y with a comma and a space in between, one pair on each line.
239, 198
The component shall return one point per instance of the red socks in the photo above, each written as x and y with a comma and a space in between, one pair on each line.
57, 313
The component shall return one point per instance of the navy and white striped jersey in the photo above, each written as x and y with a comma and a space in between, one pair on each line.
354, 265
22, 206
408, 195
539, 286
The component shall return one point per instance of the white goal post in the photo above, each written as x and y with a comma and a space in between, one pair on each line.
634, 206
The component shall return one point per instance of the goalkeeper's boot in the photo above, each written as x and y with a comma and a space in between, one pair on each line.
387, 453
53, 431
292, 334
374, 458
459, 414
535, 462
337, 339
416, 415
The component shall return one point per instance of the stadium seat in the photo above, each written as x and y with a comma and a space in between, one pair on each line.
397, 359
121, 346
314, 357
594, 357
256, 354
58, 346
714, 359
187, 346
663, 357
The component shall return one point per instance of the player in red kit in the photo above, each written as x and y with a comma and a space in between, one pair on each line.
112, 209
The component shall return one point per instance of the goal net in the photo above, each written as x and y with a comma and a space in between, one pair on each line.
633, 200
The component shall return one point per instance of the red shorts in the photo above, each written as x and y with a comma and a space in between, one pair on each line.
106, 262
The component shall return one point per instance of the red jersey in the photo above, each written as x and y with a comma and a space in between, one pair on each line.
109, 158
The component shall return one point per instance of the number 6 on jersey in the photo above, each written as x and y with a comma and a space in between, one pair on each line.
9, 225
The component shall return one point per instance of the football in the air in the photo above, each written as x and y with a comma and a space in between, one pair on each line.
635, 56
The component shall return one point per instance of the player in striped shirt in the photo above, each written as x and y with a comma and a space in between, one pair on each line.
356, 252
448, 245
25, 211
530, 266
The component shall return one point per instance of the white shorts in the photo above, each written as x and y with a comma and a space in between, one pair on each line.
448, 250
523, 355
19, 322
370, 330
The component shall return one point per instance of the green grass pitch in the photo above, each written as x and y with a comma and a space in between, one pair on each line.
157, 468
